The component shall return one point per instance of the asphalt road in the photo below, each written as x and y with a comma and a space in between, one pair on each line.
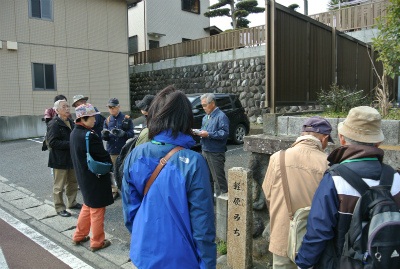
25, 165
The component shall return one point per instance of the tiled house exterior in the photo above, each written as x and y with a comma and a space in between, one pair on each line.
51, 47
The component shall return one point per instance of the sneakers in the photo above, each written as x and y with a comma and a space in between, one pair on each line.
85, 239
64, 213
106, 243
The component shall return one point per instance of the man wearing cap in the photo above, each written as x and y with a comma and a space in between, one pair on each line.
98, 126
144, 106
334, 200
305, 164
117, 129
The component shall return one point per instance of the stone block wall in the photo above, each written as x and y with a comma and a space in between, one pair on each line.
244, 77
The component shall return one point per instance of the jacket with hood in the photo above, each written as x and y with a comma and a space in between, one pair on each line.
334, 202
173, 225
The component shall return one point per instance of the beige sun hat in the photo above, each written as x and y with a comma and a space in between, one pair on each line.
78, 98
363, 124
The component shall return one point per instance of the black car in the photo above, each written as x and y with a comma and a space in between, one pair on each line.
239, 124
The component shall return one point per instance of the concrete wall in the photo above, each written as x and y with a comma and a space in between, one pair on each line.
291, 126
18, 127
364, 35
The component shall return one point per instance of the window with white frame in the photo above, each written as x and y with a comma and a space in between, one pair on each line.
44, 76
191, 6
41, 9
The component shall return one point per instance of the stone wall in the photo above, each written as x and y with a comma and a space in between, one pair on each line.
244, 77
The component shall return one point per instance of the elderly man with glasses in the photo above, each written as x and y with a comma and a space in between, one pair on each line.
58, 133
214, 134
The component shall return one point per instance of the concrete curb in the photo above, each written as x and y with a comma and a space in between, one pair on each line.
41, 217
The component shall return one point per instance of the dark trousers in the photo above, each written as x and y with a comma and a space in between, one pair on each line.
216, 164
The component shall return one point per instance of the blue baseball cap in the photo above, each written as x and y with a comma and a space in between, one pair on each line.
113, 102
319, 125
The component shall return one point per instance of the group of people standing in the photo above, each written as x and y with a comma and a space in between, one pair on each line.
67, 158
178, 208
331, 197
167, 188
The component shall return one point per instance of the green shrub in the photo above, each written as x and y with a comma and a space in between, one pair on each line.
221, 248
394, 114
340, 100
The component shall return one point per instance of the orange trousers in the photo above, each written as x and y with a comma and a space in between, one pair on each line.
91, 219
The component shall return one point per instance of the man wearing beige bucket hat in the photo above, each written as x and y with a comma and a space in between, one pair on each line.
333, 204
98, 126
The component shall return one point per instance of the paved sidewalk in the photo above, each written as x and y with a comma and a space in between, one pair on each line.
41, 216
23, 248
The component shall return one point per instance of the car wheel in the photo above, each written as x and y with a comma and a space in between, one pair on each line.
239, 133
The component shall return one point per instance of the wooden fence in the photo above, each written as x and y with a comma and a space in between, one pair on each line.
305, 56
354, 17
225, 41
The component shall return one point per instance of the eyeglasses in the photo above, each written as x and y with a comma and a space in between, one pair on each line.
112, 107
204, 105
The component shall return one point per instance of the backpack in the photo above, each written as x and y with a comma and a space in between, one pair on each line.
119, 162
373, 239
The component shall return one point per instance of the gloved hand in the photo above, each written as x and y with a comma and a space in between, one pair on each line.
105, 135
44, 146
118, 132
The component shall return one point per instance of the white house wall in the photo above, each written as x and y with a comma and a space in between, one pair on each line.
87, 41
168, 18
136, 23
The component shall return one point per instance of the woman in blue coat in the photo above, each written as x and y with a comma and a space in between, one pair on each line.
172, 226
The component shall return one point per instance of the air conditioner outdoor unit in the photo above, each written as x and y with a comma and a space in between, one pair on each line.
12, 45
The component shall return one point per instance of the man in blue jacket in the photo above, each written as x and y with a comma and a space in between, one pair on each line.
214, 134
335, 199
117, 129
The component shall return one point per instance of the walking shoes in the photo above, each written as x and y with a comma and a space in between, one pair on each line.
64, 213
83, 240
106, 243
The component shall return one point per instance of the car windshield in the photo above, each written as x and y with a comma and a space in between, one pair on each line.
192, 98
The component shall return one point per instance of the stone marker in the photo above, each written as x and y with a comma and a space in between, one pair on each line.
239, 252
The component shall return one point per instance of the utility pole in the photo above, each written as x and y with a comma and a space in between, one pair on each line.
306, 7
